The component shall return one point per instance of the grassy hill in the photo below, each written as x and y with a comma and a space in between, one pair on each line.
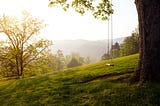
91, 85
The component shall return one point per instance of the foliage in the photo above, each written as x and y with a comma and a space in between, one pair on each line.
80, 86
60, 60
105, 57
21, 48
115, 46
87, 60
115, 53
115, 50
74, 59
100, 10
130, 45
73, 63
43, 65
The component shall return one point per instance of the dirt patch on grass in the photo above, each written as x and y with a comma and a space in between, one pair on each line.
108, 76
122, 77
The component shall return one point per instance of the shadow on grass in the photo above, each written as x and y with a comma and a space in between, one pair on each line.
47, 91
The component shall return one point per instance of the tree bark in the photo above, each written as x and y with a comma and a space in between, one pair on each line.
149, 31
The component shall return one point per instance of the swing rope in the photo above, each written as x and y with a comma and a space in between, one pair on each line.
110, 38
108, 52
111, 35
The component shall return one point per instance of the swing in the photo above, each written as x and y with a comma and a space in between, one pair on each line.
110, 41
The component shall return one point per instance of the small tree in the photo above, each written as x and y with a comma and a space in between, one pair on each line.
60, 60
80, 60
22, 48
73, 63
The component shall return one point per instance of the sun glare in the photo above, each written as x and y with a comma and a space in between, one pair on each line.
70, 25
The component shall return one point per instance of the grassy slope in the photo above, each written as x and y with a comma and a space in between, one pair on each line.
91, 85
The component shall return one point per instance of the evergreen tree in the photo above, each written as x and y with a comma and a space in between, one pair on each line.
115, 50
73, 63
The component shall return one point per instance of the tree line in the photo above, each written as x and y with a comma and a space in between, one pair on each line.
59, 61
23, 53
129, 46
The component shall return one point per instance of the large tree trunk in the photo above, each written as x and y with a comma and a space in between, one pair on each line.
149, 31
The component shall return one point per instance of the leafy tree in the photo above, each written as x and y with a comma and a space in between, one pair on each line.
43, 65
149, 31
21, 48
135, 41
101, 11
60, 60
130, 44
51, 61
7, 66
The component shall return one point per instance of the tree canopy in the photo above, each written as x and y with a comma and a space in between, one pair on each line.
100, 10
20, 47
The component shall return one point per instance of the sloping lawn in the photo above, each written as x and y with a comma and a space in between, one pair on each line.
91, 85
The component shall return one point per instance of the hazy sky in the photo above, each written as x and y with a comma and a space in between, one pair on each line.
71, 25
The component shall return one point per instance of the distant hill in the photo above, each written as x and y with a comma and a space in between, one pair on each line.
93, 49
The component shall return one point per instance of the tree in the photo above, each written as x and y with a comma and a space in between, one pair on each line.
100, 11
21, 48
149, 31
105, 56
51, 61
115, 50
73, 63
116, 46
115, 53
74, 59
60, 60
87, 60
130, 44
46, 63
135, 41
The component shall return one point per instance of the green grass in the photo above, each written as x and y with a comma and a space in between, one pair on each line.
91, 85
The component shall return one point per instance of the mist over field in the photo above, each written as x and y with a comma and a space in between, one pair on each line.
93, 49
